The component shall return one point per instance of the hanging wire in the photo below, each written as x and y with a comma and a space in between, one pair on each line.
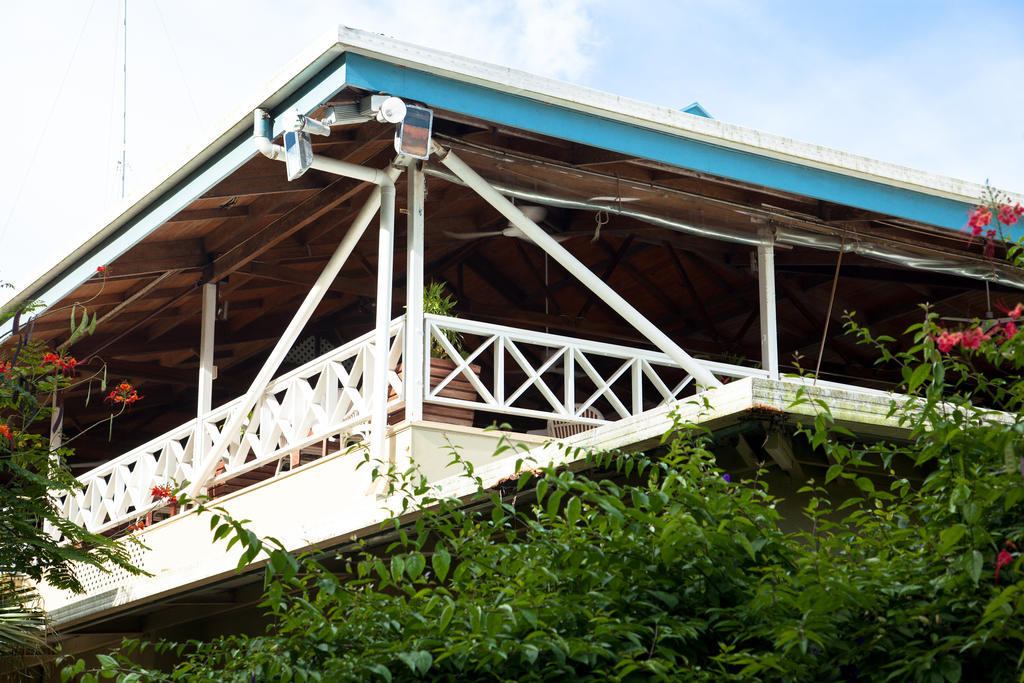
831, 300
177, 62
46, 125
111, 174
124, 104
600, 218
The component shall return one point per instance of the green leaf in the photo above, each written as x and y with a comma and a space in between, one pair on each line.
414, 566
572, 511
950, 668
833, 472
446, 616
949, 537
381, 671
864, 484
973, 562
745, 542
440, 561
107, 661
418, 661
919, 375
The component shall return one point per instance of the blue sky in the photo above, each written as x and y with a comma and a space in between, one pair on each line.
931, 85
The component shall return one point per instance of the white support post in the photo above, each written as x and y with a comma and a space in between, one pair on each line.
56, 423
205, 469
414, 359
207, 370
652, 332
766, 296
382, 338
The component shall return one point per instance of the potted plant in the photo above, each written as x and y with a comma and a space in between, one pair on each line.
437, 302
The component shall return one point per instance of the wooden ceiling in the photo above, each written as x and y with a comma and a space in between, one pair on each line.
265, 239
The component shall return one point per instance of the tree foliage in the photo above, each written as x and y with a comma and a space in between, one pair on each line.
656, 566
651, 566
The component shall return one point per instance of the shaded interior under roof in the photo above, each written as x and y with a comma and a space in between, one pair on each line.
650, 230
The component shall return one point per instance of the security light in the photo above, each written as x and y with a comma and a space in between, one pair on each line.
385, 108
412, 135
297, 122
298, 153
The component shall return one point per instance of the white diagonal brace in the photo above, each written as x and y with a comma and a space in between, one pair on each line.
205, 469
573, 265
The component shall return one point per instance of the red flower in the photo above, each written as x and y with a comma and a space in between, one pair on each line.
101, 269
1018, 210
947, 340
6, 431
124, 393
1007, 215
5, 368
1009, 330
164, 491
980, 217
972, 338
1014, 312
66, 364
1004, 558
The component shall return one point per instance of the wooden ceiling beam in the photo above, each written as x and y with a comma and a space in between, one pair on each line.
217, 213
157, 257
275, 183
694, 295
282, 228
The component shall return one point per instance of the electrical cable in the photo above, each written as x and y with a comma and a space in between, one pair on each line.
46, 125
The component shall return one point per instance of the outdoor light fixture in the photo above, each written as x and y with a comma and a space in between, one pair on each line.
384, 108
412, 136
298, 147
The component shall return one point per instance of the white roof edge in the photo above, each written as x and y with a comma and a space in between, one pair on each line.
277, 88
657, 117
606, 105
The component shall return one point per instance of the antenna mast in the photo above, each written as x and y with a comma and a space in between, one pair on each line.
124, 102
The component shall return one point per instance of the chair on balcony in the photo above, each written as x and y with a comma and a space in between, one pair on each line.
561, 429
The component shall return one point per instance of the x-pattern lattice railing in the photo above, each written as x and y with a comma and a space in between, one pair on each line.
524, 373
548, 376
328, 396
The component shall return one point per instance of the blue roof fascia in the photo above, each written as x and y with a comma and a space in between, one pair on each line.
230, 157
696, 109
632, 140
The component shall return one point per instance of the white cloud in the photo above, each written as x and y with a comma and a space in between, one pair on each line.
549, 37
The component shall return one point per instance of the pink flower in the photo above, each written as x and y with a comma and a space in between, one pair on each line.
1002, 559
1009, 330
979, 218
1014, 312
947, 340
1007, 215
972, 338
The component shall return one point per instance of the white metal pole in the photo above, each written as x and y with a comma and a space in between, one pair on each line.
206, 367
56, 424
766, 296
305, 311
414, 360
701, 375
382, 338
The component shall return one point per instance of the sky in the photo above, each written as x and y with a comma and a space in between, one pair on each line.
931, 85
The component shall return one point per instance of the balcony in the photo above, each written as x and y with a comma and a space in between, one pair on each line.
541, 385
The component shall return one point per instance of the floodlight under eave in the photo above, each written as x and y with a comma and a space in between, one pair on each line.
392, 110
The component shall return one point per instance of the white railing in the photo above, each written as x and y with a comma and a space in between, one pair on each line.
328, 396
548, 376
499, 369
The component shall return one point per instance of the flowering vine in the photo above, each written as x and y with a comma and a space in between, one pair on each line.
124, 394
